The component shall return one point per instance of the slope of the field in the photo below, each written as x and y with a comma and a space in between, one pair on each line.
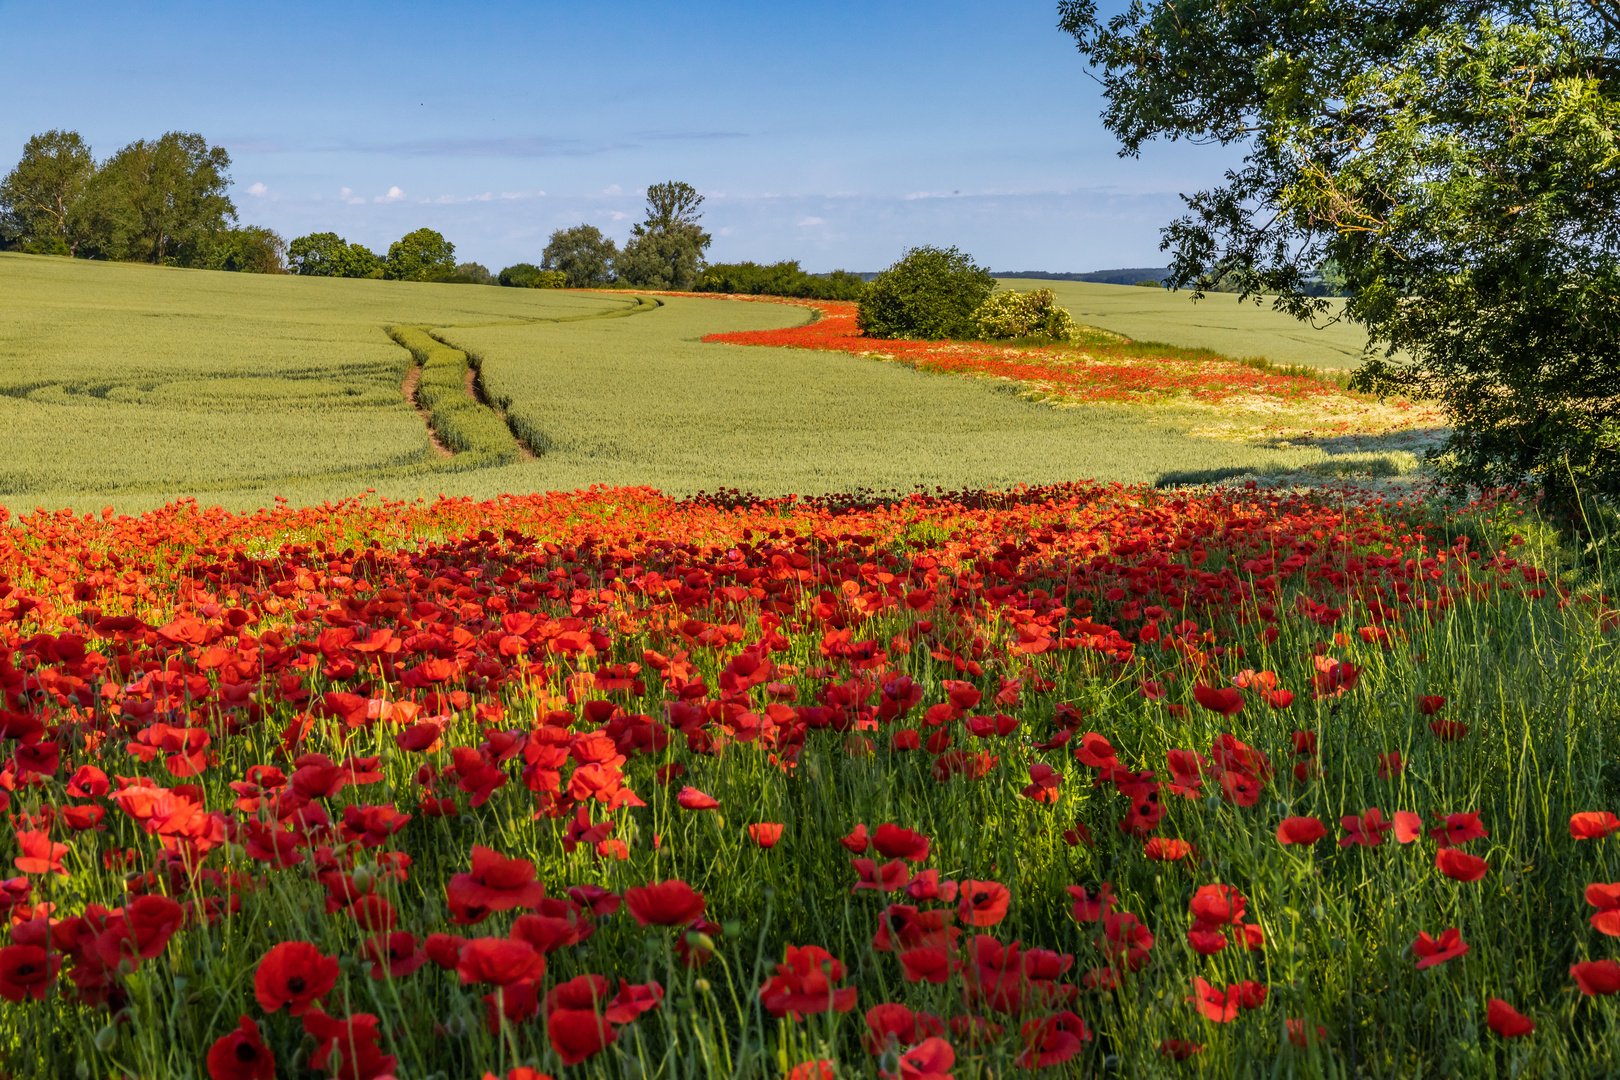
121, 378
131, 386
643, 401
1217, 322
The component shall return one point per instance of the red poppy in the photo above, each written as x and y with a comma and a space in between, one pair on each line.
1428, 706
804, 983
495, 883
1431, 951
1220, 1006
1096, 751
857, 841
1300, 830
1367, 830
501, 961
1224, 700
928, 1060
1205, 941
889, 877
1592, 825
444, 949
577, 1034
691, 798
664, 903
355, 1042
1091, 904
1179, 1049
982, 903
1300, 1034
1507, 1021
1164, 849
26, 971
241, 1055
1051, 1040
820, 1069
1278, 699
1448, 730
927, 962
1458, 829
889, 1025
1459, 865
893, 842
141, 931
394, 955
1596, 977
293, 973
1408, 826
1390, 765
39, 855
632, 1000
1606, 898
765, 834
1217, 905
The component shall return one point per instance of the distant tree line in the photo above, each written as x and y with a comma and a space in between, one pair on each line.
157, 201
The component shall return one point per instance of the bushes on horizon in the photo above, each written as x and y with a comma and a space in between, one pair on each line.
1023, 314
930, 293
247, 249
530, 276
779, 279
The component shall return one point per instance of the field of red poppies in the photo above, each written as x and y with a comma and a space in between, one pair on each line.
1072, 781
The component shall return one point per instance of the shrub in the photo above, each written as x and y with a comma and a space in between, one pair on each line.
1019, 315
930, 293
530, 276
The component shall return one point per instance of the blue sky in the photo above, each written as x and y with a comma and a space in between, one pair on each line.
835, 133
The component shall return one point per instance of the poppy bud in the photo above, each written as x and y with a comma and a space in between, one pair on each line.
701, 986
731, 928
699, 940
364, 879
83, 1070
457, 1027
106, 1039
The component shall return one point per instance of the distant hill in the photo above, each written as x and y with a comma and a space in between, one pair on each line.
1099, 277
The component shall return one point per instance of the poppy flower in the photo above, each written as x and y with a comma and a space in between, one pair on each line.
1390, 765
1408, 827
1179, 1049
1166, 849
928, 1060
1596, 977
1366, 830
982, 903
501, 961
354, 1040
691, 798
1224, 700
889, 877
1091, 904
1217, 905
927, 964
1428, 706
444, 949
495, 883
857, 841
1606, 898
805, 983
293, 973
765, 834
820, 1069
890, 1024
1592, 825
1300, 1034
1277, 699
1507, 1021
1431, 951
141, 932
577, 1034
241, 1055
664, 903
1458, 829
1051, 1040
632, 1000
26, 971
1459, 865
39, 855
1448, 730
1204, 941
893, 842
1044, 783
1300, 830
394, 955
1221, 1006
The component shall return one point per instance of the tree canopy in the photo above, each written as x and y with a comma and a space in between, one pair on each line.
1455, 163
420, 256
665, 250
326, 254
42, 195
583, 254
154, 200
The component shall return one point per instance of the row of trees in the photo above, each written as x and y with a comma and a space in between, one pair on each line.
159, 201
422, 255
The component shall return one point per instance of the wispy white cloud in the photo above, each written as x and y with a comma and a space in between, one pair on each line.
258, 191
394, 195
813, 221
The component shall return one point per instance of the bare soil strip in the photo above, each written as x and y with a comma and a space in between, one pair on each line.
408, 388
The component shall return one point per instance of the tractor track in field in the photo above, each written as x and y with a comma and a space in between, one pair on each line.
475, 390
408, 388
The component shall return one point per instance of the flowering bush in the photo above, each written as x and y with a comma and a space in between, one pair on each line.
1018, 315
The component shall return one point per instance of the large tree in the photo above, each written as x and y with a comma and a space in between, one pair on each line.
420, 256
41, 197
326, 254
665, 251
1458, 163
582, 253
153, 200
